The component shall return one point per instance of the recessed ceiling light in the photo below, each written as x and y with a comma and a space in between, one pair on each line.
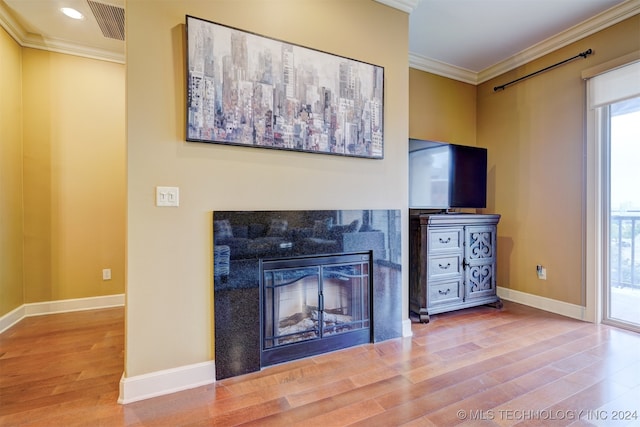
72, 13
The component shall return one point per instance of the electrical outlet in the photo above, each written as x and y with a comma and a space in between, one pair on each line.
106, 274
541, 272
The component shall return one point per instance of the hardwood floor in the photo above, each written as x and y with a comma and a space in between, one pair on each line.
475, 367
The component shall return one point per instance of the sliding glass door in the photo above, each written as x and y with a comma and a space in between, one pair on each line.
622, 142
612, 198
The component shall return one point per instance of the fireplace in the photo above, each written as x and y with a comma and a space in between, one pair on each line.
312, 305
333, 278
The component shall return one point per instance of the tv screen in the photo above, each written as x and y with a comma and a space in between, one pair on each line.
444, 176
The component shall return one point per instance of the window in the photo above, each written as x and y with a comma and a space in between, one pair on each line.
613, 205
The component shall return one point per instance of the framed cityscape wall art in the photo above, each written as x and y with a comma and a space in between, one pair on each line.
250, 90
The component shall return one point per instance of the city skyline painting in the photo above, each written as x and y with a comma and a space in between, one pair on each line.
250, 90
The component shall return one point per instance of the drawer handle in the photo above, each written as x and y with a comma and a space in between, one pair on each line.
443, 240
441, 292
444, 267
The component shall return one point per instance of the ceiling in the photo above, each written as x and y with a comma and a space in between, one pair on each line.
467, 40
474, 38
40, 24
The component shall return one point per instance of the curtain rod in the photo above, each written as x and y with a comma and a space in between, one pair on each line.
582, 54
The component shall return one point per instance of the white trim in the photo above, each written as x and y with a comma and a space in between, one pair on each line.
597, 189
591, 26
597, 23
159, 383
11, 26
442, 69
594, 268
543, 303
60, 306
11, 318
25, 39
403, 5
61, 46
571, 35
78, 304
406, 328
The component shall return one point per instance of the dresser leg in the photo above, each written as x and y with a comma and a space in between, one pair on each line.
423, 315
497, 304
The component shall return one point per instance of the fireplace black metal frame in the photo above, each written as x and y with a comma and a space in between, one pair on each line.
297, 350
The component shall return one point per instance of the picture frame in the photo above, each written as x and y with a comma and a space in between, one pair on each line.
250, 90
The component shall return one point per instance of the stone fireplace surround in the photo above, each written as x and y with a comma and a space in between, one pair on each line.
243, 238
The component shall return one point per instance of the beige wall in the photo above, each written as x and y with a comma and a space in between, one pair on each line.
169, 284
63, 176
11, 212
74, 176
441, 109
534, 131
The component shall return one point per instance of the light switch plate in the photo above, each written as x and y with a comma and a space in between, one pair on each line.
167, 196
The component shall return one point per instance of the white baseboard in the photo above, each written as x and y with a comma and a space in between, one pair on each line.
60, 306
544, 303
153, 384
406, 328
11, 318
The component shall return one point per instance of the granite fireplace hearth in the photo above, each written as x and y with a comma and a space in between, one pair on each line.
336, 275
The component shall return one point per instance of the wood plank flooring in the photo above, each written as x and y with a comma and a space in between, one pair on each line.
474, 367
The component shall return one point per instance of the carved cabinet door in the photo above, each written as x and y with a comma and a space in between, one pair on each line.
479, 261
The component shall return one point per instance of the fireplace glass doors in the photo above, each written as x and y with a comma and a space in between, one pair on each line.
313, 305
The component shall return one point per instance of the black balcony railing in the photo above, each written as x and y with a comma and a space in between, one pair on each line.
624, 249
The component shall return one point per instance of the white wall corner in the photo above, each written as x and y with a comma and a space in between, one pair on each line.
406, 328
543, 303
159, 383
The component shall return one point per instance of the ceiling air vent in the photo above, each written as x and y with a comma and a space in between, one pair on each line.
110, 19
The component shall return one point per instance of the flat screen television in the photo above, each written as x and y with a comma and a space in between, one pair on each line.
446, 176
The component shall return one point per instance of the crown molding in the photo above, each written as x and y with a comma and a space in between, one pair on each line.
597, 23
60, 46
593, 25
25, 39
10, 25
443, 69
590, 26
403, 5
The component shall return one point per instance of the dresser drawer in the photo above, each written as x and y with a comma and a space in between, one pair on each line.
446, 239
444, 266
445, 292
